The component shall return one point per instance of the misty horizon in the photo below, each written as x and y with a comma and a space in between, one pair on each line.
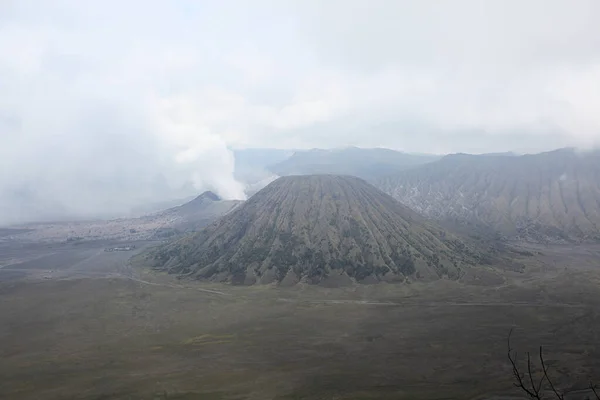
104, 108
252, 173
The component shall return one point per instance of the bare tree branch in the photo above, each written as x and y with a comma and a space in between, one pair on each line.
535, 392
545, 369
539, 387
517, 374
593, 388
533, 388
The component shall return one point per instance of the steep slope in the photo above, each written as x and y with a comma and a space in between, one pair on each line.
155, 207
319, 228
195, 214
547, 196
368, 164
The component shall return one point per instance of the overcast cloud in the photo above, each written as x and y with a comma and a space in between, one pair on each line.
105, 105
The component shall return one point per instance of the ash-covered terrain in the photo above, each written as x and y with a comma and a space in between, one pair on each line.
318, 228
553, 196
187, 217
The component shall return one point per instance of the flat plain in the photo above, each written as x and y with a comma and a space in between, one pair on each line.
77, 322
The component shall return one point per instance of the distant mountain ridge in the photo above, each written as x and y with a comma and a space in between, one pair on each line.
546, 196
364, 163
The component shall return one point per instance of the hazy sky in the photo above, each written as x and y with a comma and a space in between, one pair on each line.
106, 104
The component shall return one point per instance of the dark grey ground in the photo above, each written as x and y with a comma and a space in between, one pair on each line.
96, 328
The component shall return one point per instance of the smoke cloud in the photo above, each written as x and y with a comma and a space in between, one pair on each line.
91, 128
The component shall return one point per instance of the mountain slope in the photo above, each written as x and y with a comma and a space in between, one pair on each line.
190, 216
368, 164
193, 215
318, 229
537, 197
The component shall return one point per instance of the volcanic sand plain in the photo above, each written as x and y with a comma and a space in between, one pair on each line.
77, 322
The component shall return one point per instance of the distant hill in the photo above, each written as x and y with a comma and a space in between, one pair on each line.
547, 196
196, 213
319, 229
368, 164
150, 208
188, 217
258, 158
251, 165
